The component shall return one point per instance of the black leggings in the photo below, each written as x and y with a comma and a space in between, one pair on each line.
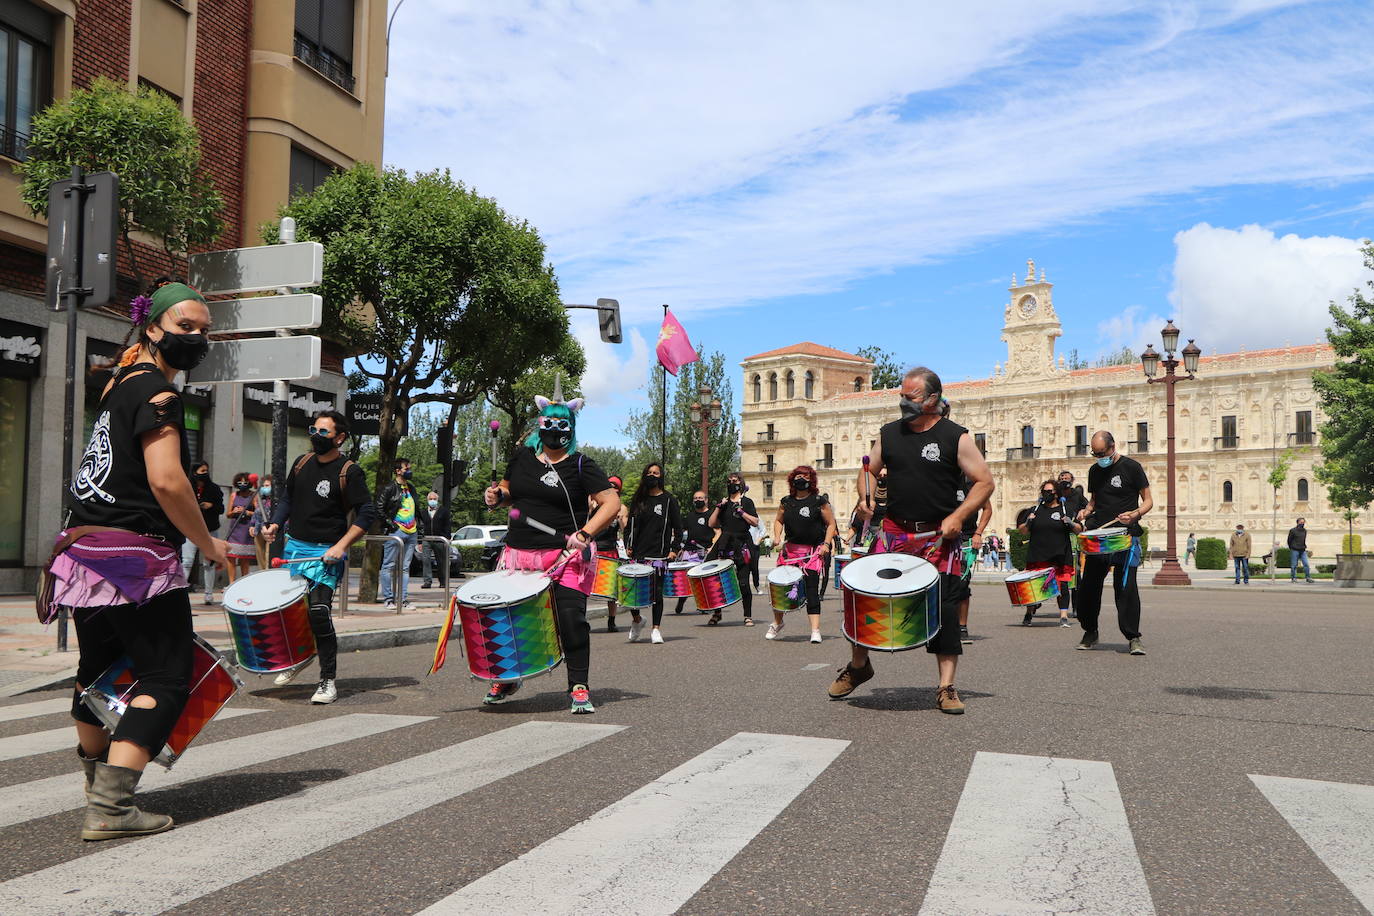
570, 610
742, 577
322, 625
813, 591
157, 639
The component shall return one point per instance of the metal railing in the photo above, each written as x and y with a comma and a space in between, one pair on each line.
1076, 451
1303, 438
769, 436
335, 69
1138, 446
445, 573
1226, 441
825, 463
1023, 453
14, 144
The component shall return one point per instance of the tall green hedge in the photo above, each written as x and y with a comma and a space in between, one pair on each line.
1351, 544
1019, 545
1211, 553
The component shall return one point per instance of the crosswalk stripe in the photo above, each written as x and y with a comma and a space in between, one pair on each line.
58, 738
170, 869
1021, 825
696, 817
43, 797
40, 708
1334, 820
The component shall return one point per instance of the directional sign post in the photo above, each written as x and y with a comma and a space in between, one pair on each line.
299, 311
253, 270
259, 359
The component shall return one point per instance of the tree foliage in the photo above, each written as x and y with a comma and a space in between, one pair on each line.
144, 139
1347, 397
887, 372
1278, 474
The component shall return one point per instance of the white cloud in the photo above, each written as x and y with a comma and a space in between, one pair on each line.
1132, 328
1249, 288
612, 382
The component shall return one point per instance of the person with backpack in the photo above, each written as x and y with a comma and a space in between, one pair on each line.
322, 490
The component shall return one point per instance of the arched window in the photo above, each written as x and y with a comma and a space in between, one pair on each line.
772, 386
1226, 491
858, 383
1302, 489
809, 385
758, 388
791, 384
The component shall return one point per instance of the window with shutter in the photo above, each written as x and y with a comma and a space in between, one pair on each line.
324, 38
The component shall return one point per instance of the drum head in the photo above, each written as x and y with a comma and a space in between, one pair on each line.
676, 565
1102, 532
846, 557
1028, 574
635, 570
502, 588
785, 575
889, 574
262, 592
711, 568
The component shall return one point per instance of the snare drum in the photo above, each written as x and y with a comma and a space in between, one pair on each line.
508, 626
604, 584
787, 587
676, 582
841, 561
269, 618
213, 683
714, 585
1104, 541
891, 602
634, 585
1032, 586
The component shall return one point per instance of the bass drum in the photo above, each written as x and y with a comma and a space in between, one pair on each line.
892, 602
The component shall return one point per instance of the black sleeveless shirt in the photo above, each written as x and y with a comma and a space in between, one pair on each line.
110, 486
922, 470
803, 521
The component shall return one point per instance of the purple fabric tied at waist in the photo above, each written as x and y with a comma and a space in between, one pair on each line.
106, 568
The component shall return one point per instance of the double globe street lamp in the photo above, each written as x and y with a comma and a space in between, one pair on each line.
705, 414
1171, 573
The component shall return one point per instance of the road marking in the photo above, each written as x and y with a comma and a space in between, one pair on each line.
1022, 827
43, 797
815, 666
40, 708
160, 872
57, 739
1334, 820
696, 817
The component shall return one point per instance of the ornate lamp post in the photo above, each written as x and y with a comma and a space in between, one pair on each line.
704, 416
1171, 573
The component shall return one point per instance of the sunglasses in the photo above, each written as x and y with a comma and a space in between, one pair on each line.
554, 423
321, 431
1097, 454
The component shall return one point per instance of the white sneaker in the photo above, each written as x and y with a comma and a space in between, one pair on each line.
816, 636
773, 630
636, 630
288, 676
389, 605
656, 637
325, 693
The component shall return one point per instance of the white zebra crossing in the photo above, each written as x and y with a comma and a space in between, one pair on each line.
1020, 830
30, 710
56, 739
1335, 820
170, 869
43, 797
697, 816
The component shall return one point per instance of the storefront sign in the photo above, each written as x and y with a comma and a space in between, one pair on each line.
365, 416
304, 404
21, 347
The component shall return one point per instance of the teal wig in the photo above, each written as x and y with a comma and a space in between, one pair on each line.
562, 411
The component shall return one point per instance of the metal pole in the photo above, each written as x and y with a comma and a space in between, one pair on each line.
705, 447
1170, 573
1274, 524
663, 407
281, 391
73, 295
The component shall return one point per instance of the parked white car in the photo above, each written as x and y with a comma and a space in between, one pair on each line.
477, 535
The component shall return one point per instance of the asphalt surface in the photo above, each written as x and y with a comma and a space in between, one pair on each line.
1234, 684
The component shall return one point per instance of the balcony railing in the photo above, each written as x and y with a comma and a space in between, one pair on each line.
1225, 441
1303, 438
14, 144
1138, 446
825, 463
335, 69
1076, 451
767, 467
1024, 453
769, 436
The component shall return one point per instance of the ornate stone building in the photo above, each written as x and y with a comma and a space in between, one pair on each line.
811, 404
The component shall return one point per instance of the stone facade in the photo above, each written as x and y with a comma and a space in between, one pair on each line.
1034, 415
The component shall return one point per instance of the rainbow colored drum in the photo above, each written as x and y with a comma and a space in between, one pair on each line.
1032, 586
212, 685
787, 588
269, 618
714, 585
1104, 541
508, 626
604, 584
676, 582
891, 602
633, 585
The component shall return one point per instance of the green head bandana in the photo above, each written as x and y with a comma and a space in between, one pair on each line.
167, 296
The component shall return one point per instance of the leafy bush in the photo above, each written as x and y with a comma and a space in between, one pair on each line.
1351, 544
472, 555
1258, 569
1326, 568
1211, 553
1019, 545
1284, 560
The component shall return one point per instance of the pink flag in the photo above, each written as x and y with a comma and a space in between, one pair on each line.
674, 349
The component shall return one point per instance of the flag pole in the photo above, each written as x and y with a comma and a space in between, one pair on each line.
663, 410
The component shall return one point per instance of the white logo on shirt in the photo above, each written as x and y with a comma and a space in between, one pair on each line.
931, 452
1116, 481
322, 489
96, 463
658, 510
959, 495
1056, 516
804, 511
550, 479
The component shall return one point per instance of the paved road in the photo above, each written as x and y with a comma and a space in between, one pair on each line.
1229, 771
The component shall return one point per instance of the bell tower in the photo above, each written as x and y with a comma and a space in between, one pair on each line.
1029, 329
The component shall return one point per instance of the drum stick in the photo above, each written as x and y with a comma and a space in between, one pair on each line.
868, 503
278, 562
518, 516
495, 428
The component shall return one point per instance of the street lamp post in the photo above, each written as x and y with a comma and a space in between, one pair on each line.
1171, 573
705, 413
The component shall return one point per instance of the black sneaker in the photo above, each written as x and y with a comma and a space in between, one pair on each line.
964, 637
1026, 621
611, 627
1088, 641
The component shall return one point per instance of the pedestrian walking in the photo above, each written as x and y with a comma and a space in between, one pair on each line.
653, 536
1190, 549
434, 523
1048, 526
262, 517
804, 526
1297, 551
698, 536
243, 503
402, 515
210, 499
734, 517
1239, 551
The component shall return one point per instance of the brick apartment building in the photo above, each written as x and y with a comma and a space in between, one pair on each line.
281, 91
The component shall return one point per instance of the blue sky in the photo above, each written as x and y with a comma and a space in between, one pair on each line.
874, 173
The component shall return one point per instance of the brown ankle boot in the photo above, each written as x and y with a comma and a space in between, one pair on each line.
88, 765
110, 812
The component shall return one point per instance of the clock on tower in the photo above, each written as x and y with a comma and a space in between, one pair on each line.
1030, 329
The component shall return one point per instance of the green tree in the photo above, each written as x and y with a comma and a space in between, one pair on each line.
612, 460
1123, 357
1347, 397
1075, 361
887, 372
513, 396
144, 139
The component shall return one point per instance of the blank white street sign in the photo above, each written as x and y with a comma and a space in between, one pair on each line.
263, 359
251, 270
298, 312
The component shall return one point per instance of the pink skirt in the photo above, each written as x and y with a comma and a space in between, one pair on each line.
578, 573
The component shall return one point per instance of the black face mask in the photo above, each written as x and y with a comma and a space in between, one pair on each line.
732, 488
242, 485
322, 445
183, 351
699, 504
555, 438
653, 481
202, 475
405, 475
801, 483
1047, 497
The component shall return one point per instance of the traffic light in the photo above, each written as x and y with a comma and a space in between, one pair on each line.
608, 315
460, 471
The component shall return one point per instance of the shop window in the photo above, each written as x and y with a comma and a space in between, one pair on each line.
324, 39
14, 445
25, 74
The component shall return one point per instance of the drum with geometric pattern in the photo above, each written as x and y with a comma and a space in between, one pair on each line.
892, 601
269, 618
213, 683
508, 626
